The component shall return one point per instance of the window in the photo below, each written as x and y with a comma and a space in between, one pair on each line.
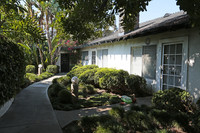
93, 57
84, 57
102, 56
149, 62
105, 57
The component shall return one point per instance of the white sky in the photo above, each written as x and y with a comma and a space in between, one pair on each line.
158, 8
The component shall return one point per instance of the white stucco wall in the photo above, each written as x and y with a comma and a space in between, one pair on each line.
119, 56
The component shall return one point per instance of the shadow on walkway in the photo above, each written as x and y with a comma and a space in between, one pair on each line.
31, 111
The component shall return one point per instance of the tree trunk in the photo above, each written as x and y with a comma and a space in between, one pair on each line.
48, 37
41, 55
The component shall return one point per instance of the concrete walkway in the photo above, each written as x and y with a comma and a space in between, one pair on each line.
66, 117
31, 111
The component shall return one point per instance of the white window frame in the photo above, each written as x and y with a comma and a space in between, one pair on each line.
184, 69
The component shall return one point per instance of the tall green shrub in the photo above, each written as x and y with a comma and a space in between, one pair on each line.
12, 69
173, 100
52, 69
30, 69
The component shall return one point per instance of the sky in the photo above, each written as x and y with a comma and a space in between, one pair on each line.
158, 8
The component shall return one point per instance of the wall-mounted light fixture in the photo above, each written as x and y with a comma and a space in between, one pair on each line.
147, 41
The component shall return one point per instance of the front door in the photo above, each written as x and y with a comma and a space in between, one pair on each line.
64, 62
171, 66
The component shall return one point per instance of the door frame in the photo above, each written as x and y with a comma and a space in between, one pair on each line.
184, 69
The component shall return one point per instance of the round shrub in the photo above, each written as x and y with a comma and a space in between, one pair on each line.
88, 76
114, 99
114, 81
30, 69
90, 89
173, 100
32, 77
54, 89
117, 112
52, 69
100, 73
137, 85
79, 70
64, 81
65, 96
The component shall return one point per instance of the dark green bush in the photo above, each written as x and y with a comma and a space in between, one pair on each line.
54, 89
100, 73
114, 99
52, 69
198, 103
115, 82
64, 81
137, 85
138, 121
117, 112
65, 96
173, 100
88, 76
12, 69
30, 69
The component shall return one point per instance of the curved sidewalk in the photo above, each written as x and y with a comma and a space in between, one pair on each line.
31, 111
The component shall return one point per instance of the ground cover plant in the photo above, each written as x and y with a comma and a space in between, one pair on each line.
111, 82
145, 119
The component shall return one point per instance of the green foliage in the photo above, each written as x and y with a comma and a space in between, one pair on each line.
72, 127
12, 69
100, 73
65, 96
45, 75
173, 100
198, 103
30, 69
137, 85
114, 99
101, 129
54, 89
117, 112
115, 81
52, 69
78, 70
88, 76
63, 81
32, 77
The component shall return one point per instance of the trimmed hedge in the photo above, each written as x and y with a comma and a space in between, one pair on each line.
88, 76
77, 70
173, 100
12, 69
52, 69
30, 69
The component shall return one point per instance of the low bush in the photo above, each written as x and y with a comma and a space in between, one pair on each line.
44, 75
65, 96
32, 77
77, 70
114, 99
100, 73
52, 69
54, 89
30, 69
117, 112
115, 82
64, 81
173, 100
137, 85
88, 76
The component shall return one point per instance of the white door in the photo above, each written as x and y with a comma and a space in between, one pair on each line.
172, 59
136, 60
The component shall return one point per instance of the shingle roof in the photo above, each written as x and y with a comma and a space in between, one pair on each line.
168, 22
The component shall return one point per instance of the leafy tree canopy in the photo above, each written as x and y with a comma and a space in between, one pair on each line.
85, 18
